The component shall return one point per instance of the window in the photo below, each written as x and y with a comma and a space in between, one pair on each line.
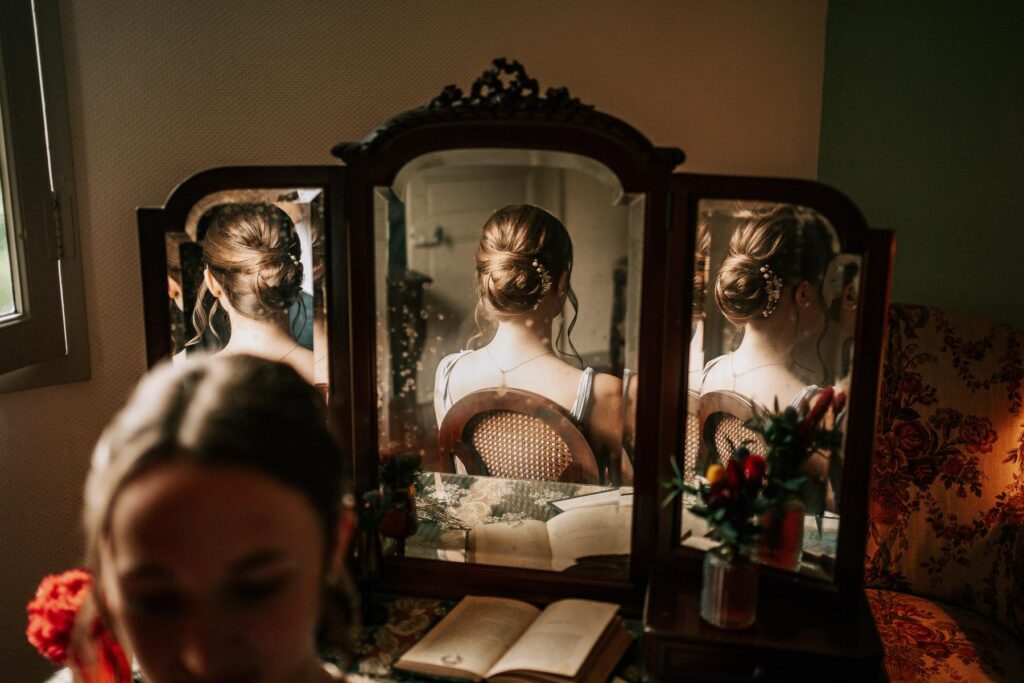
43, 338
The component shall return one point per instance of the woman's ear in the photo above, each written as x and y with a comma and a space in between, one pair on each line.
173, 288
211, 283
804, 294
849, 296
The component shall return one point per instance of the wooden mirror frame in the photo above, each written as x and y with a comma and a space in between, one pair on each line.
155, 222
508, 113
875, 247
506, 110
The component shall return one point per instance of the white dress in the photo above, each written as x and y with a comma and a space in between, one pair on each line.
584, 391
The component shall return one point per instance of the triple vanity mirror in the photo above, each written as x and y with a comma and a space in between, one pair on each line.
496, 282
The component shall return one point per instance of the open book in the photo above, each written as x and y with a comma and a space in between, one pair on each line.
556, 544
498, 639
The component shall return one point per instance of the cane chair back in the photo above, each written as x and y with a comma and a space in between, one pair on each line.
723, 416
517, 435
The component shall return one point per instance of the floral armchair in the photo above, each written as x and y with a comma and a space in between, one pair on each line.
945, 555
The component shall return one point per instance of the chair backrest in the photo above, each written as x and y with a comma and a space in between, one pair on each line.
722, 417
691, 447
946, 509
517, 435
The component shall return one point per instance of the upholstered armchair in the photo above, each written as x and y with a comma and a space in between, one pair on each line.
945, 556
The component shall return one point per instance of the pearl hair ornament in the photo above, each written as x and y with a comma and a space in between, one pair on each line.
773, 283
545, 280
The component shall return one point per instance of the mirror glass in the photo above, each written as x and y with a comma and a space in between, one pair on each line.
773, 323
246, 275
507, 294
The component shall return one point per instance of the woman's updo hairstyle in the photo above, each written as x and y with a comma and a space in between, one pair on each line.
523, 252
788, 244
254, 252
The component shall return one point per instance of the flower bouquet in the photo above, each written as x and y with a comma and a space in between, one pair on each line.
731, 501
390, 509
795, 484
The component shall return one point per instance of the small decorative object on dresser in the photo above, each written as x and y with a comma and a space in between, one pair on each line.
391, 508
792, 437
731, 500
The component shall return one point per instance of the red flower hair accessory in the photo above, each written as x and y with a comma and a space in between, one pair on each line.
53, 615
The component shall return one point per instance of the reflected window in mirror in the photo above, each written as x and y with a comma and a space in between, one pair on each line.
508, 317
773, 326
246, 275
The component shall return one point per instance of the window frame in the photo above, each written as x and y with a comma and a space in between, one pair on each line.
47, 223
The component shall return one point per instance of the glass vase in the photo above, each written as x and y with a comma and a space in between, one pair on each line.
782, 536
728, 596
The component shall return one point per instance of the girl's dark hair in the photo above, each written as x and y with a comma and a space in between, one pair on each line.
796, 245
253, 251
523, 252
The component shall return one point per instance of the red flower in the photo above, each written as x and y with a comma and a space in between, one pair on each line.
911, 436
52, 616
822, 402
953, 467
910, 383
52, 613
754, 467
839, 402
977, 434
733, 474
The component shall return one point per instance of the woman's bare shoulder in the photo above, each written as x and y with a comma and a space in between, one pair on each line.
607, 386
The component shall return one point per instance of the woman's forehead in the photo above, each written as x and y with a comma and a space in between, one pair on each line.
194, 518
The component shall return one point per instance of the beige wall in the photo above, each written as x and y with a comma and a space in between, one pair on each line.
159, 90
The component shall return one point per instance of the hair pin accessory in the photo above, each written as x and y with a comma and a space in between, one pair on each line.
773, 283
293, 258
545, 281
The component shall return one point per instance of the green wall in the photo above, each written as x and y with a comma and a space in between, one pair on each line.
923, 127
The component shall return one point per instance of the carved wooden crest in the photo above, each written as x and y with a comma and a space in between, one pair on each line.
505, 92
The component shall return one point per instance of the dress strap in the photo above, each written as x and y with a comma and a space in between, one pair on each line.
445, 376
584, 392
805, 394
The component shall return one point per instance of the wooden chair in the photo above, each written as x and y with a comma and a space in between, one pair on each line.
691, 446
722, 416
517, 435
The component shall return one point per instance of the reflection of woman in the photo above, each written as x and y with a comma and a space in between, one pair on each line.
523, 265
702, 252
200, 584
770, 285
254, 274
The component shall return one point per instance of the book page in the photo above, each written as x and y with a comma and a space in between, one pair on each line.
602, 530
511, 544
471, 637
619, 496
560, 639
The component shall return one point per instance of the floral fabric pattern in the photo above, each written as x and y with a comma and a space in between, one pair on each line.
947, 497
928, 642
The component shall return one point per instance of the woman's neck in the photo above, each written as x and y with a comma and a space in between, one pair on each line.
524, 336
763, 344
254, 336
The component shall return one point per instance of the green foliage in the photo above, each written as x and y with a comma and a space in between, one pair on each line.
398, 481
791, 438
730, 501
